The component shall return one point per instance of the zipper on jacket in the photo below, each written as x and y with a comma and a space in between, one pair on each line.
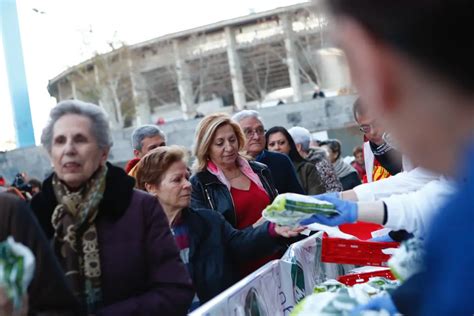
209, 199
231, 200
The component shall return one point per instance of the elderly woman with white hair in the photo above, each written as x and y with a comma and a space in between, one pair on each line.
317, 156
112, 241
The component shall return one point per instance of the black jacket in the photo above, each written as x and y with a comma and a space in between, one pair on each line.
282, 170
390, 158
350, 181
209, 193
48, 291
216, 247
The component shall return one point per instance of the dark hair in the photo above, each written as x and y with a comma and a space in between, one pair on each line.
432, 32
294, 155
35, 183
334, 145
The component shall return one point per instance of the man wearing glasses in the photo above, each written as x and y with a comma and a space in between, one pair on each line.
283, 172
381, 160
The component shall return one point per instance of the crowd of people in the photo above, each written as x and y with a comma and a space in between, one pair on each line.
171, 230
187, 230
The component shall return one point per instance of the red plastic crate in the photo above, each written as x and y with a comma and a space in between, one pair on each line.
357, 278
358, 252
361, 230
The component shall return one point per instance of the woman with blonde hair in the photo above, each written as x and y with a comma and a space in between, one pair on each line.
224, 179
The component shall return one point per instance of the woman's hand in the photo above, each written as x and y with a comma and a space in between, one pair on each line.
288, 232
7, 308
260, 221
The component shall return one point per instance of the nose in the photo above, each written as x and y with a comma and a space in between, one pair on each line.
186, 184
69, 148
227, 146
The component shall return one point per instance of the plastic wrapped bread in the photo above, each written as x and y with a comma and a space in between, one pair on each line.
17, 265
289, 209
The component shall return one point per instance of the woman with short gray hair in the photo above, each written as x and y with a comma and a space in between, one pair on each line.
95, 218
99, 122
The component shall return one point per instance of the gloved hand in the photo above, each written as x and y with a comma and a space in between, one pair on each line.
348, 213
384, 238
336, 195
377, 304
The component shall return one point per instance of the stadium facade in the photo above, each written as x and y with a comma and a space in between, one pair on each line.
279, 56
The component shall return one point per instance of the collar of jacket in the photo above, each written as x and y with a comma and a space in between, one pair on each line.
261, 155
243, 165
206, 177
298, 164
117, 195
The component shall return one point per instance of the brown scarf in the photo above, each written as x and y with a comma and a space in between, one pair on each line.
75, 237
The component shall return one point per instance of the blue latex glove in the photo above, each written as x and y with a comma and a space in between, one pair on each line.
379, 303
348, 212
335, 195
384, 238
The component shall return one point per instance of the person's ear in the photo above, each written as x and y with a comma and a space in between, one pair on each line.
136, 153
150, 188
372, 64
298, 147
105, 156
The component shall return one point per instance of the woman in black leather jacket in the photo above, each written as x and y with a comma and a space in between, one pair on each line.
224, 179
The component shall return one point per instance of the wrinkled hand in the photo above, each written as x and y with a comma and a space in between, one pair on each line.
348, 212
7, 308
384, 238
288, 232
377, 304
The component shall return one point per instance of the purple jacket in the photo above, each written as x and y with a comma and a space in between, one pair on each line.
142, 273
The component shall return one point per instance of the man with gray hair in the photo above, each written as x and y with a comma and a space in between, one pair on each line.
281, 167
144, 139
302, 138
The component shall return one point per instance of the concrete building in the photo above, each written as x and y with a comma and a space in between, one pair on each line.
255, 60
333, 115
